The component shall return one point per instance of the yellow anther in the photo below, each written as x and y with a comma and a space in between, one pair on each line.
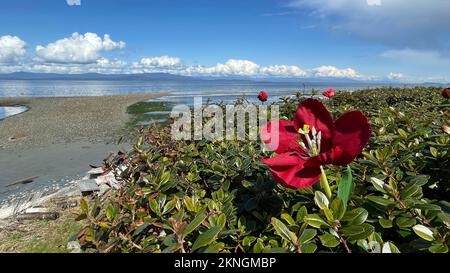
305, 129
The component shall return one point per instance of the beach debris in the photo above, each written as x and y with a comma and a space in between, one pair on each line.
109, 179
98, 170
95, 172
17, 136
74, 247
36, 210
23, 181
67, 204
38, 216
88, 187
104, 188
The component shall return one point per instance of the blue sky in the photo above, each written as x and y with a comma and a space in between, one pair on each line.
404, 40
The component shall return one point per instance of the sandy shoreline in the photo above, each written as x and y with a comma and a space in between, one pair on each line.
57, 138
53, 120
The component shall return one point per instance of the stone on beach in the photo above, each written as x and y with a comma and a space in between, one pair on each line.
88, 187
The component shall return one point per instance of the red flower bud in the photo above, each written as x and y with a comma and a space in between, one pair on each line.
263, 96
446, 93
329, 93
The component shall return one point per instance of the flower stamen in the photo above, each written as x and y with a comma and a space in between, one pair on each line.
313, 141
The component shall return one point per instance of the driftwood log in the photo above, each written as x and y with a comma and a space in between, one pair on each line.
23, 181
38, 216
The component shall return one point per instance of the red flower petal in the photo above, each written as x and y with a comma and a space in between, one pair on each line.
313, 113
289, 170
352, 133
280, 139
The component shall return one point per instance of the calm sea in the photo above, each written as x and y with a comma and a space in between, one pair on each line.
178, 91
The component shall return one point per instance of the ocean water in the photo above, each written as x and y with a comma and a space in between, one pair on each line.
63, 88
178, 92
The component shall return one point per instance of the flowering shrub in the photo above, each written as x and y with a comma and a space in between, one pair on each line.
200, 196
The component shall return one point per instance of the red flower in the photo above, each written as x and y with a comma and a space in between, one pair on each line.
329, 93
446, 93
263, 96
311, 140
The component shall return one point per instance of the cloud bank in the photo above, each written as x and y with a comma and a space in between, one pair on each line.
84, 53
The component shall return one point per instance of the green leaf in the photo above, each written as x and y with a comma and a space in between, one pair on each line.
282, 231
171, 240
438, 248
214, 248
308, 248
444, 217
206, 237
389, 247
358, 232
380, 200
307, 235
248, 240
329, 240
302, 212
321, 200
409, 191
356, 216
194, 224
378, 184
275, 250
434, 152
346, 186
315, 220
405, 222
385, 223
286, 217
84, 206
140, 228
424, 232
338, 208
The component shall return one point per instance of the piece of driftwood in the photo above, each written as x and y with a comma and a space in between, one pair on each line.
23, 181
38, 216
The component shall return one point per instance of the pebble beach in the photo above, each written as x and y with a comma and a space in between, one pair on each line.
57, 139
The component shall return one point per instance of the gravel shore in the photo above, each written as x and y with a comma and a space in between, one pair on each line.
52, 120
57, 138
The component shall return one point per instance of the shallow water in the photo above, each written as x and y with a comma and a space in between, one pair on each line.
8, 111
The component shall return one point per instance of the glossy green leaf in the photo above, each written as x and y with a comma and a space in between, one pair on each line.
283, 231
346, 186
206, 237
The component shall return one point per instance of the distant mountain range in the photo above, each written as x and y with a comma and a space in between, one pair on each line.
179, 78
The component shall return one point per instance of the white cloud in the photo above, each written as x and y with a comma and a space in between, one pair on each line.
11, 47
416, 24
73, 2
395, 76
234, 67
334, 72
283, 70
374, 2
160, 61
78, 48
